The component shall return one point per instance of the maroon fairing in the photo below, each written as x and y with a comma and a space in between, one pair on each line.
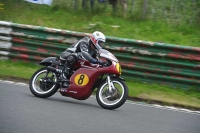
84, 90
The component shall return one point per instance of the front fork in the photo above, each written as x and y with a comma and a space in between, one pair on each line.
110, 84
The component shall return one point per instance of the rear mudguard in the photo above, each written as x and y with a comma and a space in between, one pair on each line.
49, 61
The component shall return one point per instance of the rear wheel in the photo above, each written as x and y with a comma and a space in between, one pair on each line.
42, 83
115, 98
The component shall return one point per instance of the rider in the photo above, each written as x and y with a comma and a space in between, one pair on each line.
86, 48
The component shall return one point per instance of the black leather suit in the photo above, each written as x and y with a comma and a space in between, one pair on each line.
80, 49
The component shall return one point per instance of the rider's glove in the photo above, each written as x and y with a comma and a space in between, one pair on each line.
94, 61
101, 62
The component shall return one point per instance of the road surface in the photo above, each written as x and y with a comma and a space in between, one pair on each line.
21, 112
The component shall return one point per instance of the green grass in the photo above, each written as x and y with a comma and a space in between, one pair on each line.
63, 18
148, 92
164, 94
17, 69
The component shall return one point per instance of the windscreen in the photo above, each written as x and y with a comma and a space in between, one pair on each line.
106, 54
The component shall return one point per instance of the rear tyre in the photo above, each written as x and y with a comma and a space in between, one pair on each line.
41, 85
114, 99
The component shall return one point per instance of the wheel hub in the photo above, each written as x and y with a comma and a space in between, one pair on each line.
46, 84
112, 95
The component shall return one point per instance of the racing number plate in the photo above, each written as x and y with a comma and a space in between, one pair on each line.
81, 79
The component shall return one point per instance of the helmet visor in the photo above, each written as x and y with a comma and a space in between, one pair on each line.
101, 43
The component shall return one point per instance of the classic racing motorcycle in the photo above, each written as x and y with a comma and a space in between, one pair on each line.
83, 79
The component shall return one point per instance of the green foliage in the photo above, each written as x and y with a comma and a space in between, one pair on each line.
1, 7
58, 16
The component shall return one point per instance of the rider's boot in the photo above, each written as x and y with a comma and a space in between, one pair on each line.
65, 80
65, 83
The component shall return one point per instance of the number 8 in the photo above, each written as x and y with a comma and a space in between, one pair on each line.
80, 81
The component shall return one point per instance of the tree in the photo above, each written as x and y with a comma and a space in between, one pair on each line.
124, 6
84, 4
145, 6
114, 4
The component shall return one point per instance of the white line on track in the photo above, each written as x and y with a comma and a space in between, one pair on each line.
165, 107
128, 101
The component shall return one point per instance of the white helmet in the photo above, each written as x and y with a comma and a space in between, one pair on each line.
98, 39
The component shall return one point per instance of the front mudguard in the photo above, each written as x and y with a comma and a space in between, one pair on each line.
101, 79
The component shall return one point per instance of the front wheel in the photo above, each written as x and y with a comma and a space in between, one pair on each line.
43, 83
115, 98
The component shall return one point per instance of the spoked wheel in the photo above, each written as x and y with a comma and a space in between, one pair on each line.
42, 83
112, 99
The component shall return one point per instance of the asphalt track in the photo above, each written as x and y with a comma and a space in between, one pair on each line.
21, 112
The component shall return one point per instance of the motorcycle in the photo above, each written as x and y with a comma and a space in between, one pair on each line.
83, 79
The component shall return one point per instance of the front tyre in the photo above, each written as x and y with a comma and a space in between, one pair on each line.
114, 99
42, 83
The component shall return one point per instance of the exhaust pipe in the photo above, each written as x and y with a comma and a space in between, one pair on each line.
49, 68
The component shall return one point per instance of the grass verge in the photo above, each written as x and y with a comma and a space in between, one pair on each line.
151, 93
60, 17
